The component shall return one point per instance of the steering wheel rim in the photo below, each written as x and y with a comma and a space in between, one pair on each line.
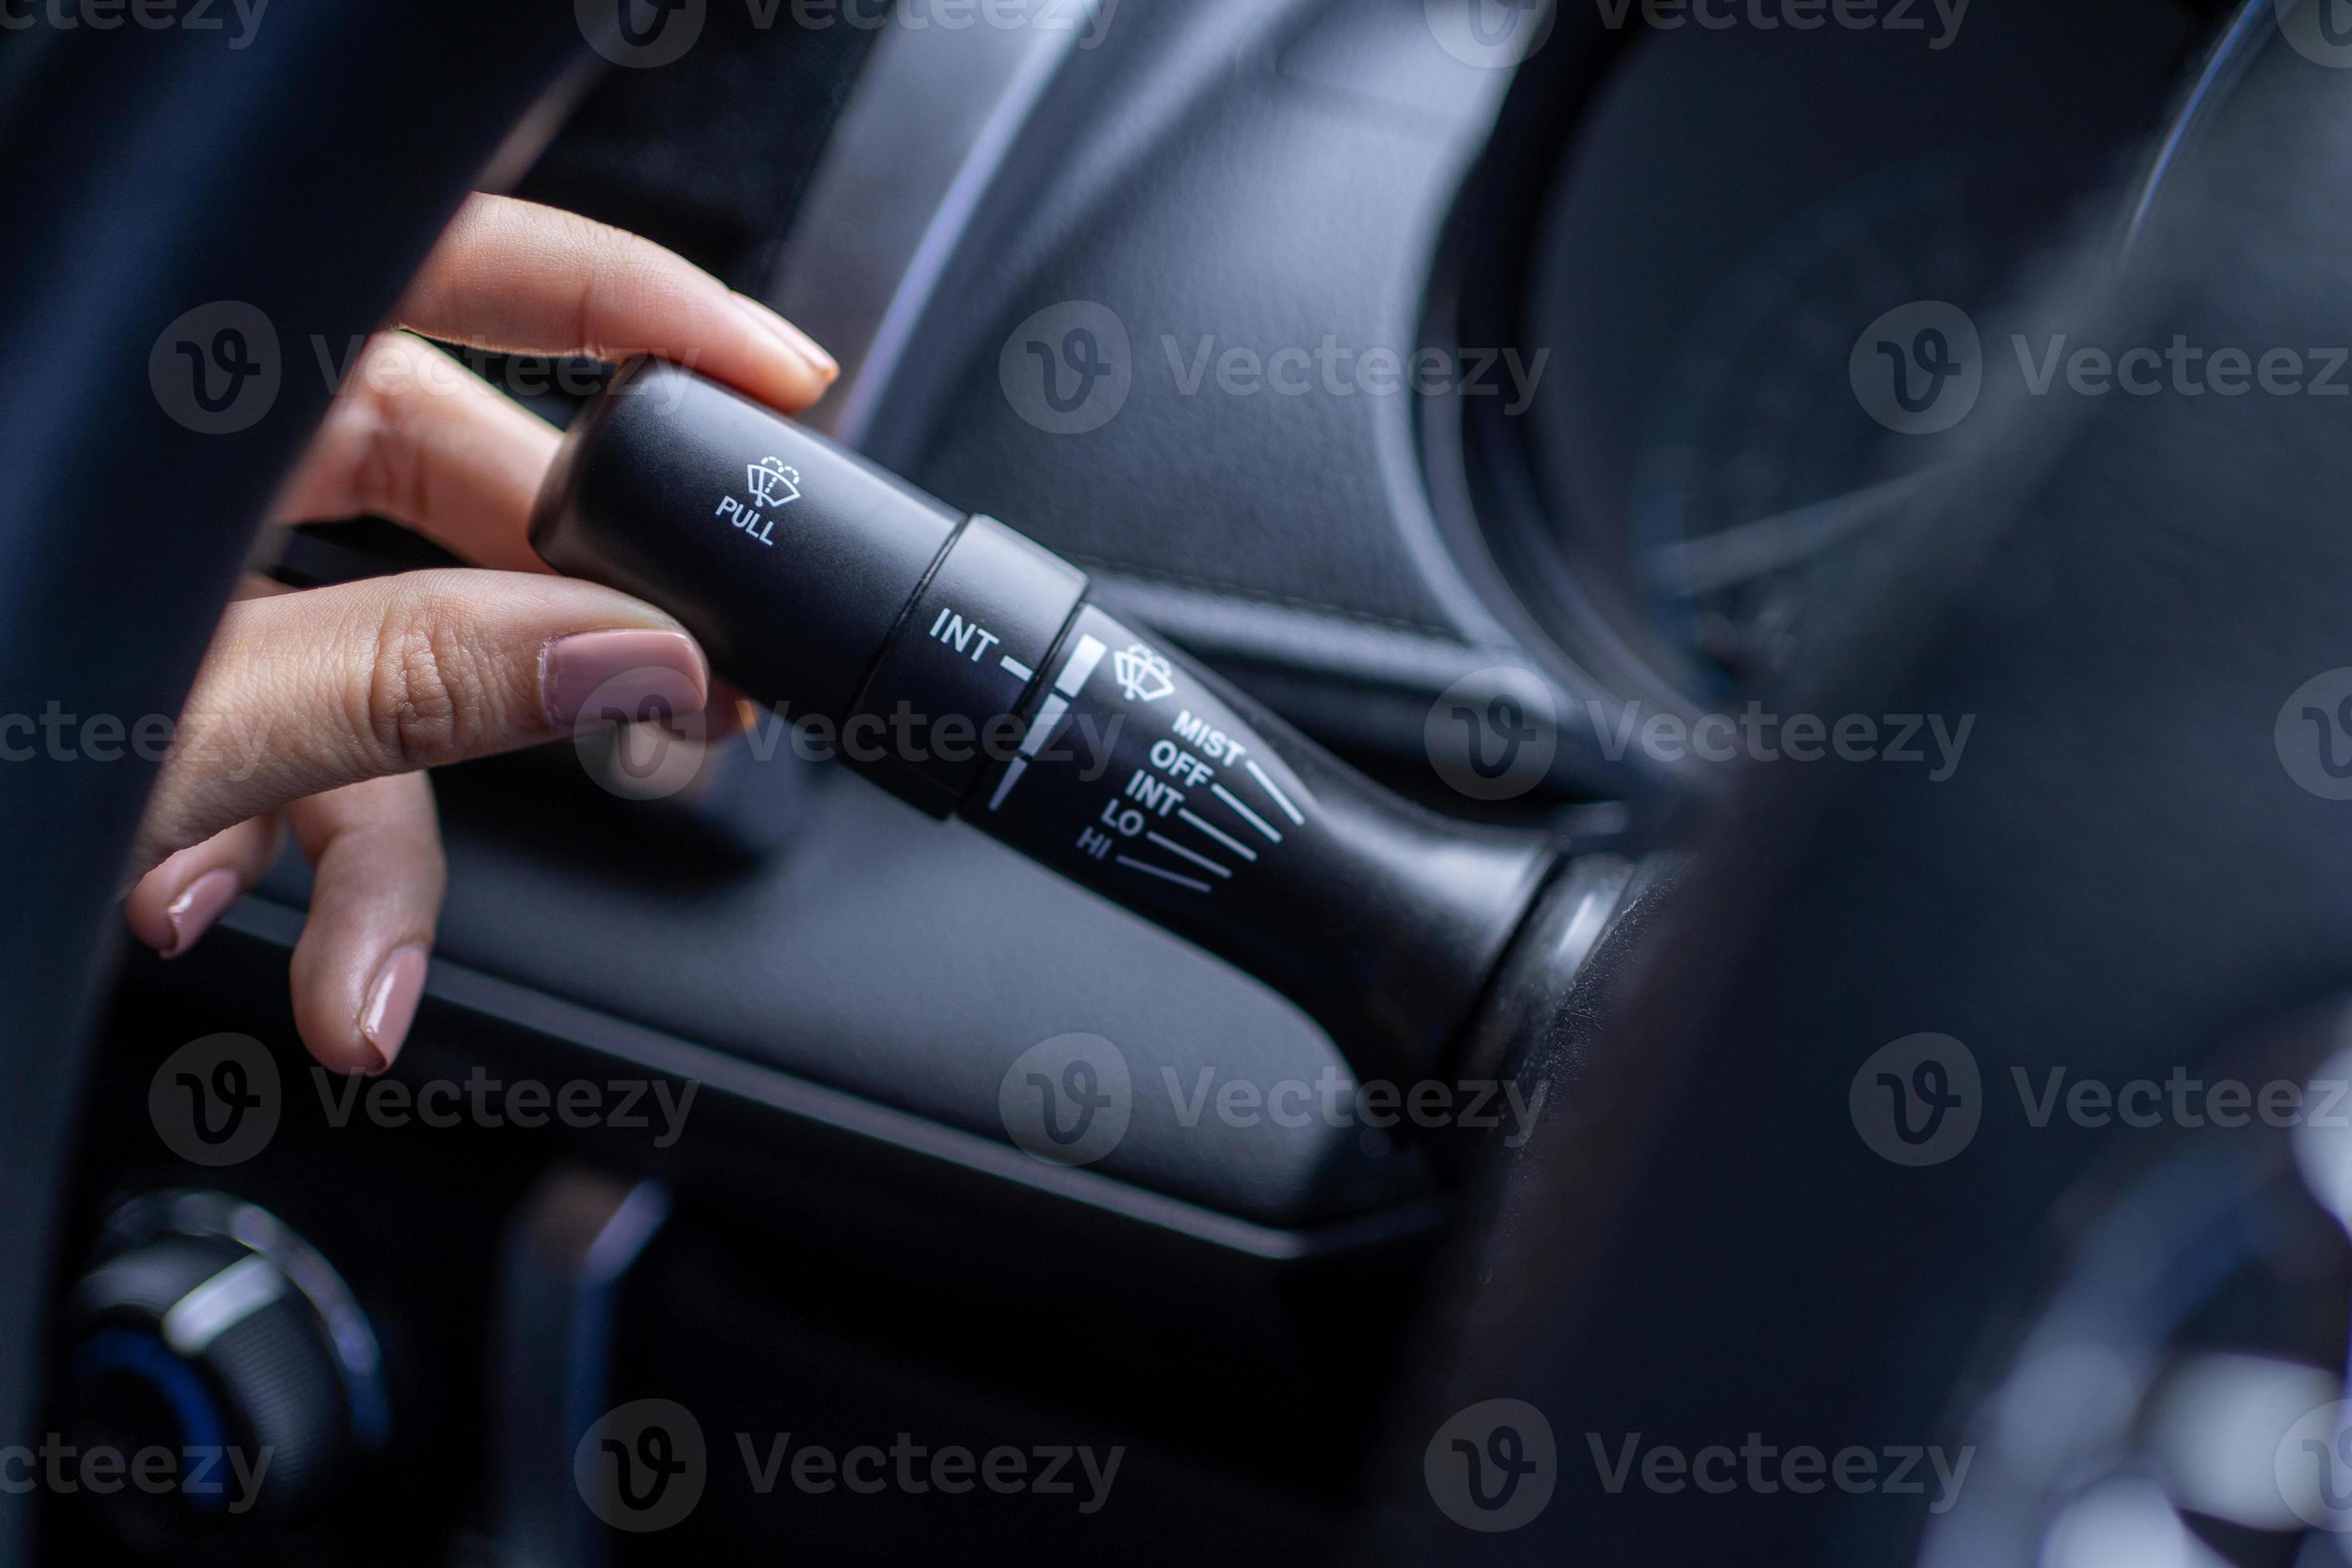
178, 171
2125, 873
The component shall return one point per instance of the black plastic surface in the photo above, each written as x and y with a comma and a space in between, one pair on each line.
954, 682
1135, 774
1261, 176
895, 961
1161, 787
789, 558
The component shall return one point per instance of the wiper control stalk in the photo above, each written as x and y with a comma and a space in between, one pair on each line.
991, 689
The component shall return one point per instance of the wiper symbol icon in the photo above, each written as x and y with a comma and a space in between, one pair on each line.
773, 484
1142, 674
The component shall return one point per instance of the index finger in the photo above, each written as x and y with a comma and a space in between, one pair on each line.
514, 275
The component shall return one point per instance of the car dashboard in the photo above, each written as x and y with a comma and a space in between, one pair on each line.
784, 1006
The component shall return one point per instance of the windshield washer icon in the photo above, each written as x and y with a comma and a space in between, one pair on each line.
1142, 675
772, 483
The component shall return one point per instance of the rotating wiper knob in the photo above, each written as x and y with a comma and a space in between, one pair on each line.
963, 669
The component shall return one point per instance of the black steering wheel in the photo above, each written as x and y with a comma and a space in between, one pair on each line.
301, 176
2122, 590
2144, 600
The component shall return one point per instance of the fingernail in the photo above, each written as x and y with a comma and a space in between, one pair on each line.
792, 338
199, 904
621, 678
392, 999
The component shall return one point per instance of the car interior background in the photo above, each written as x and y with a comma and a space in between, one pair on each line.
1484, 389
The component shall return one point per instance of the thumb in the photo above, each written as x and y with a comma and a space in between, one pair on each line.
308, 692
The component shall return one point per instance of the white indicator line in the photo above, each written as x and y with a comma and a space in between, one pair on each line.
1275, 790
1042, 727
1219, 834
1075, 671
1195, 856
1162, 873
1018, 669
1260, 823
1004, 785
1081, 664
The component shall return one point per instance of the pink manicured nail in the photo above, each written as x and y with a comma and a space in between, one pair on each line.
615, 678
199, 904
391, 1005
792, 338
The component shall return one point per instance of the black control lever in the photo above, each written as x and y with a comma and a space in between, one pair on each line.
962, 668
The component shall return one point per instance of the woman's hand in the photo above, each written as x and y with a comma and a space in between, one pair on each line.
318, 710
